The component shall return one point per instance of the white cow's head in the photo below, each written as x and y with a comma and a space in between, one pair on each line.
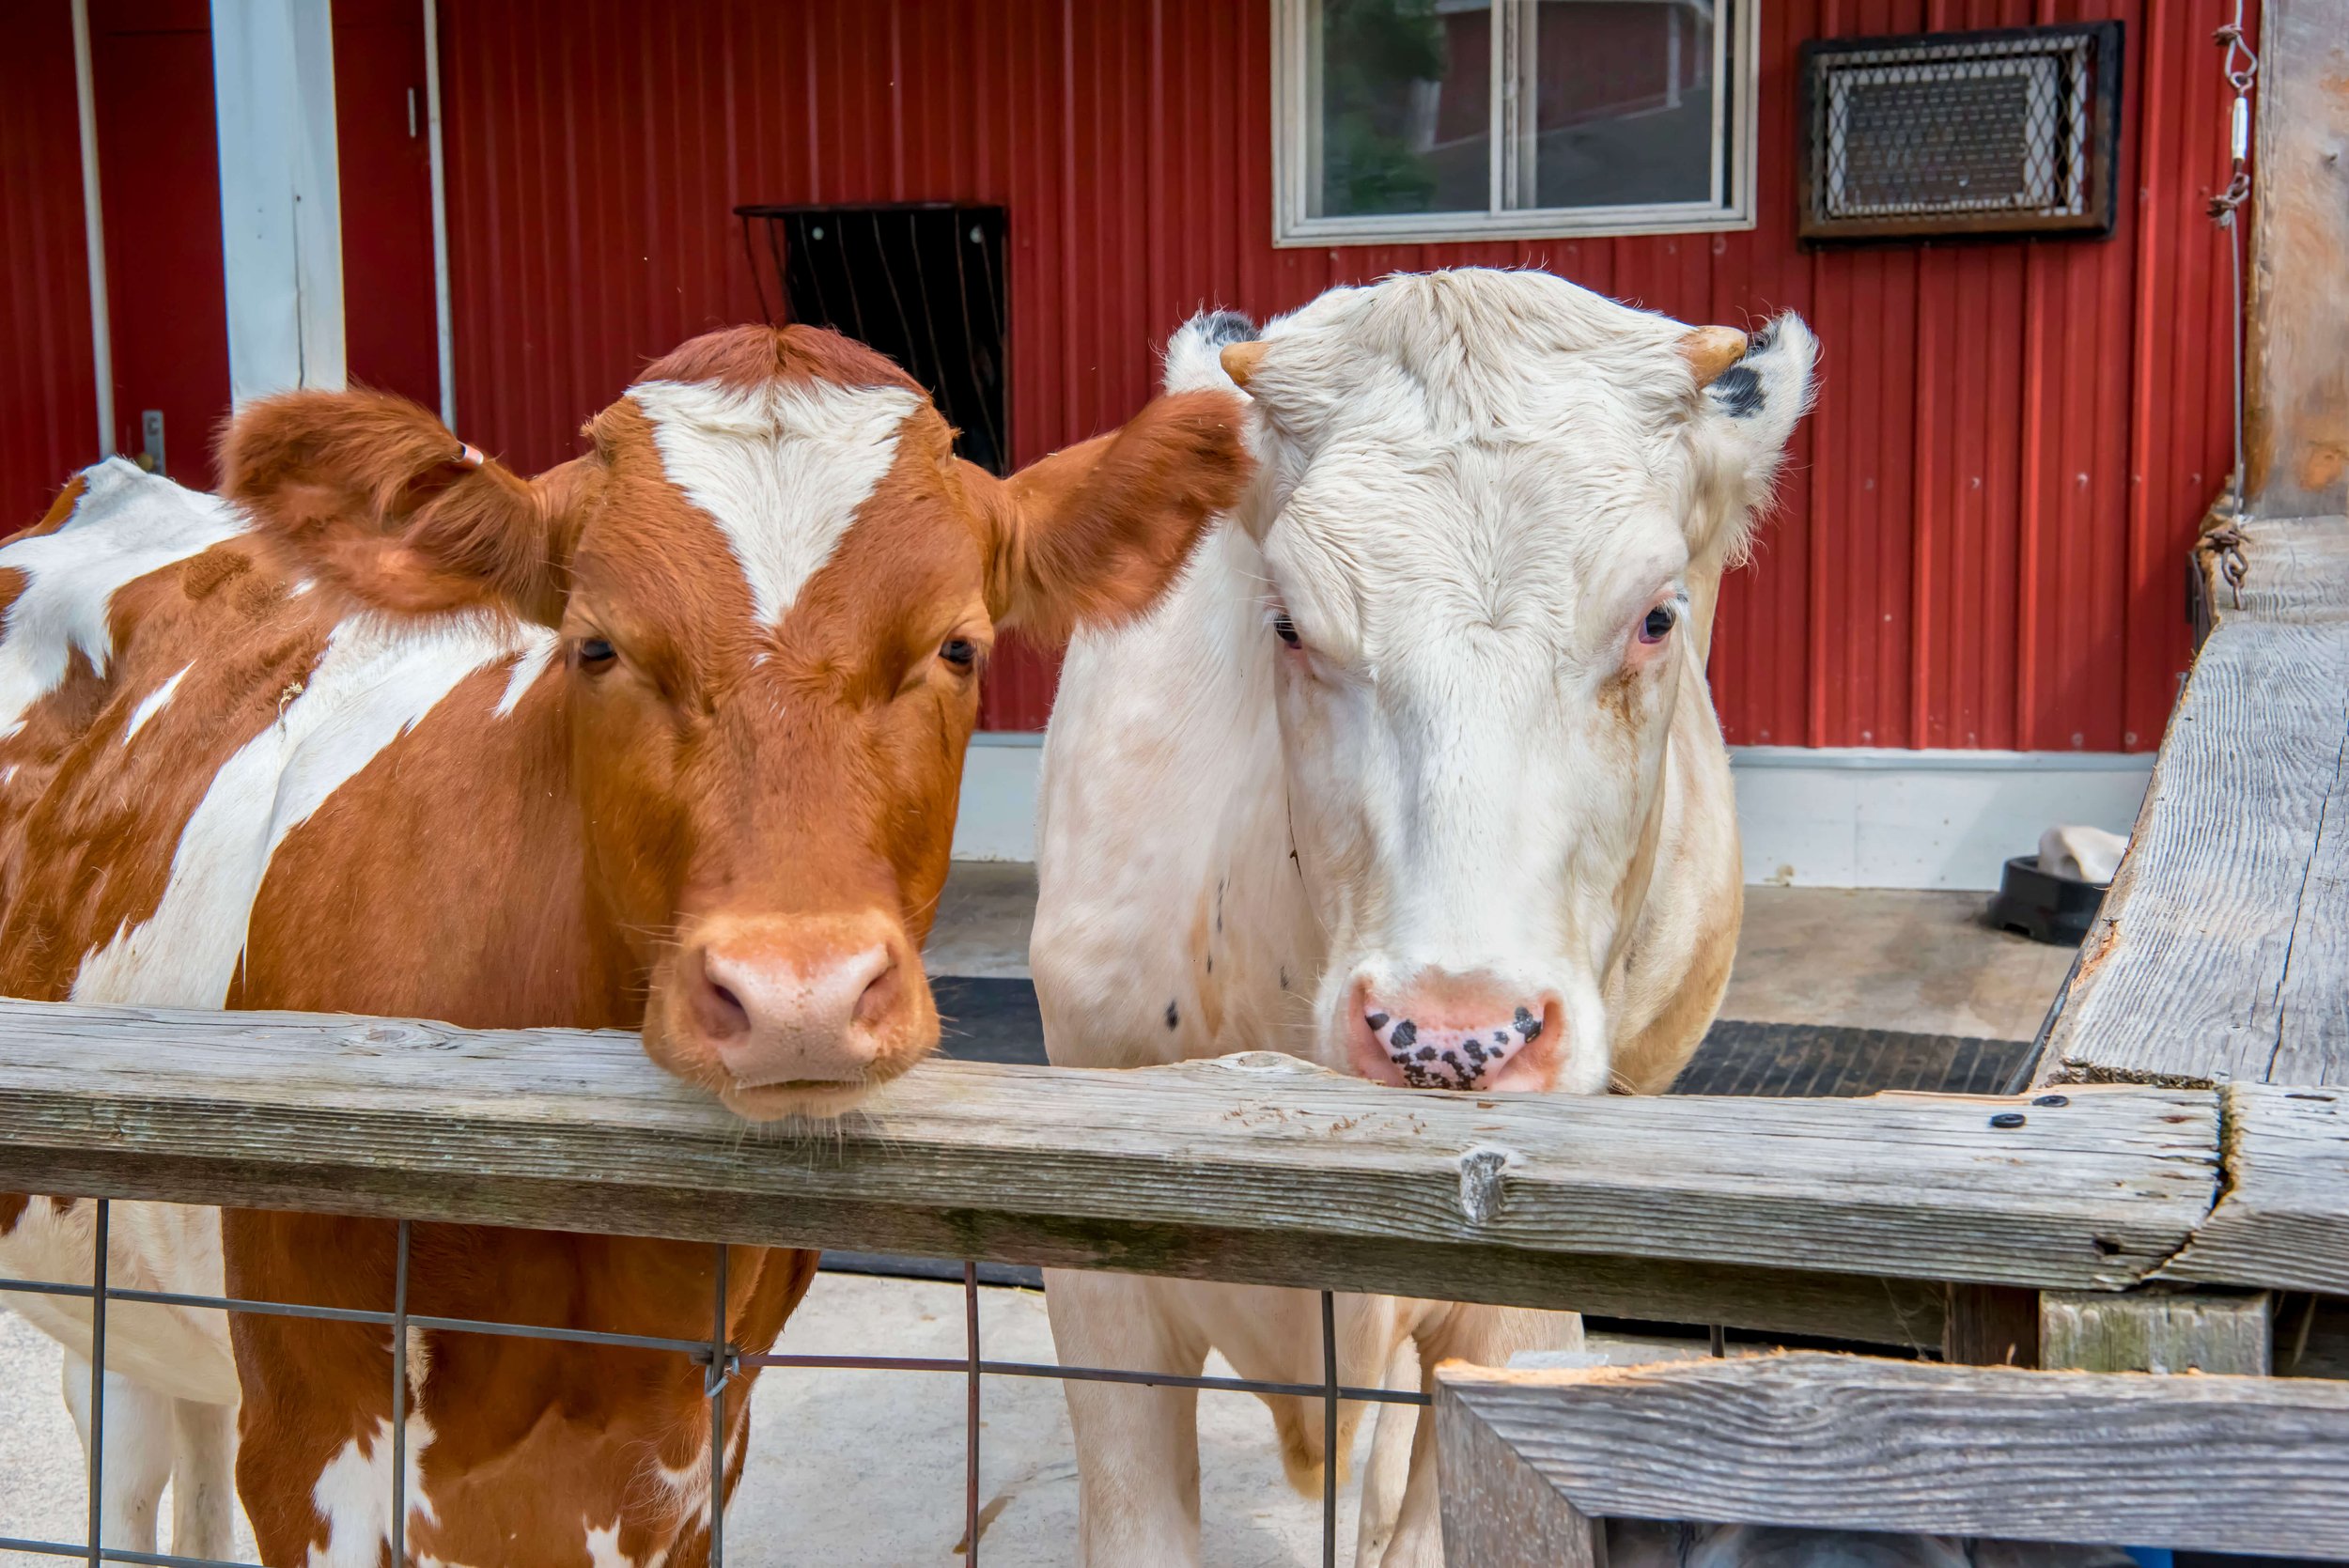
1494, 510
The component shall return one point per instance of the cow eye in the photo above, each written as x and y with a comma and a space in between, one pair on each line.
1286, 629
1659, 623
960, 651
595, 654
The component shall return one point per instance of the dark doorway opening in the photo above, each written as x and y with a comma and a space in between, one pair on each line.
921, 282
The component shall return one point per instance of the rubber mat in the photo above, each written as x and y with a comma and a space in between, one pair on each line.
996, 1021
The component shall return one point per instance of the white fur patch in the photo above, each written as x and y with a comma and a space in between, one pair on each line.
603, 1549
152, 704
353, 1496
126, 525
538, 651
782, 470
377, 679
181, 1352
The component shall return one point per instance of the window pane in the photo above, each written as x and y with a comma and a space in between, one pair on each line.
1622, 94
1406, 106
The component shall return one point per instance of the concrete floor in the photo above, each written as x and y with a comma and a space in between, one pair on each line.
1873, 957
865, 1467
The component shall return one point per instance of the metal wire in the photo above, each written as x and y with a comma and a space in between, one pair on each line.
97, 1384
970, 1414
1084, 1374
721, 1367
1329, 1431
399, 1401
718, 1356
699, 1349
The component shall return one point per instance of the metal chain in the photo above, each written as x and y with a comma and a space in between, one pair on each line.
2242, 66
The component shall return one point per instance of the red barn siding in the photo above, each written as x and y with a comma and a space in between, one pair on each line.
1979, 539
48, 385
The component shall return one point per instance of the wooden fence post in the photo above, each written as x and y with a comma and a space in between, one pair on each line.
1498, 1511
2152, 1331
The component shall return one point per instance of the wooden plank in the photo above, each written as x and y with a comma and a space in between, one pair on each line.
1846, 1442
1259, 1161
2284, 1219
2220, 954
1991, 1326
2145, 1332
1498, 1511
2296, 382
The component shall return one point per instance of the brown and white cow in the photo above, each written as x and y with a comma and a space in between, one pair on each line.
669, 737
1413, 774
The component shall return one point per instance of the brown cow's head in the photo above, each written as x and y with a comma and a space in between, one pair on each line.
776, 588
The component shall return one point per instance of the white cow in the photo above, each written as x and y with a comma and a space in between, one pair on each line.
1415, 774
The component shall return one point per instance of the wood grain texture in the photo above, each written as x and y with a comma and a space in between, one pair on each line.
2284, 1219
2222, 952
1259, 1161
2220, 1464
1498, 1511
1991, 1326
2145, 1332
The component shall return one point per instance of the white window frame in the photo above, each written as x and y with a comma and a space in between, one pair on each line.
1296, 126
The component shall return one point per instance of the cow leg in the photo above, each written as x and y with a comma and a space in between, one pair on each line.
137, 1452
1390, 1467
1486, 1337
1137, 1447
204, 1480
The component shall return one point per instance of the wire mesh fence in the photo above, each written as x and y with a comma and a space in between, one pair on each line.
722, 1362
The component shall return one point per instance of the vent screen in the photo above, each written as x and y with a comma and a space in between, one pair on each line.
2007, 133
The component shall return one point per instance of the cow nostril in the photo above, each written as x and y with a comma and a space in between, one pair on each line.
880, 998
719, 1011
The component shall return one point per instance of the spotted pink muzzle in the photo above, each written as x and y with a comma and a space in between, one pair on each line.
1445, 1031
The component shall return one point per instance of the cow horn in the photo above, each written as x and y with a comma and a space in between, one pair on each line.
1240, 359
1709, 350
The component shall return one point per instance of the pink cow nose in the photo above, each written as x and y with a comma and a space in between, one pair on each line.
809, 1002
1446, 1036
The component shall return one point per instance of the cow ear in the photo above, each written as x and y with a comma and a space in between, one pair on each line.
373, 495
1746, 411
1096, 532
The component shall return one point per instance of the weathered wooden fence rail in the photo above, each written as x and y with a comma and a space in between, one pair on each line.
1849, 1442
1847, 1218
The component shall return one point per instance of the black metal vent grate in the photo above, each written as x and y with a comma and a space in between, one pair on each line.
1966, 134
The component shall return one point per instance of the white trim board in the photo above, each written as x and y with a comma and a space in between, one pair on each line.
1842, 818
280, 194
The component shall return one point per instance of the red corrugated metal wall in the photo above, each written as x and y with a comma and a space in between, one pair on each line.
1980, 539
48, 385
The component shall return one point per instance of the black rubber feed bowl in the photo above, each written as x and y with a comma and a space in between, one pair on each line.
2044, 906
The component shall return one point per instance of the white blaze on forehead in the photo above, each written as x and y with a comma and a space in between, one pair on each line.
152, 704
377, 679
781, 469
125, 525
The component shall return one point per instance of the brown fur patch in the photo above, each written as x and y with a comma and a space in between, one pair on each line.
741, 359
201, 576
1100, 530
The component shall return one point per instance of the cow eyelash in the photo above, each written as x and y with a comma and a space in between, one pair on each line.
960, 652
597, 654
1286, 629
